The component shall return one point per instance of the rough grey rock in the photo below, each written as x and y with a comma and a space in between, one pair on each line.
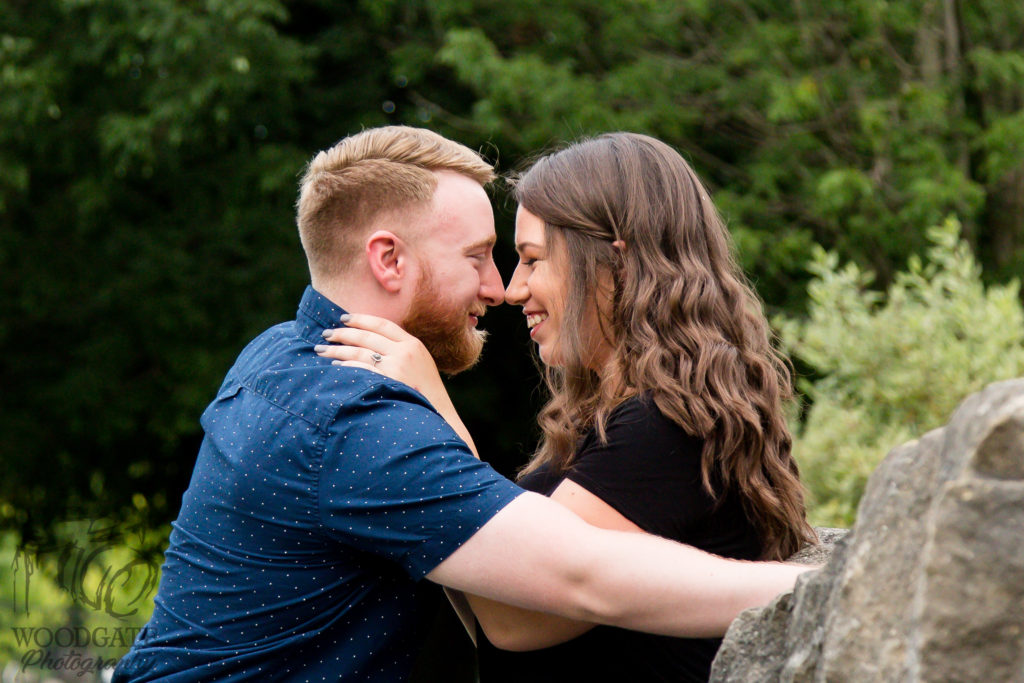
929, 584
822, 551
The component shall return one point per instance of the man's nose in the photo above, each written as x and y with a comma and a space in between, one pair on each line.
491, 289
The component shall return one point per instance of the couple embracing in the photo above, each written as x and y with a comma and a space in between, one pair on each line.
335, 474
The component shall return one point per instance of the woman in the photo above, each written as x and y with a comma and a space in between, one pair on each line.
666, 397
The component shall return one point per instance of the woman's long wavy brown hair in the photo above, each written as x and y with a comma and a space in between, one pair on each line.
685, 327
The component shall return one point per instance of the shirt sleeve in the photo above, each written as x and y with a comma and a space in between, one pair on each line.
398, 482
648, 471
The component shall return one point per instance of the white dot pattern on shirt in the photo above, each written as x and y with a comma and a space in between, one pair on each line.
286, 487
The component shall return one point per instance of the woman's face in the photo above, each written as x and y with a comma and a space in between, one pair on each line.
540, 284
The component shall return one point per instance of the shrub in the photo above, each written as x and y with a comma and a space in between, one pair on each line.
890, 366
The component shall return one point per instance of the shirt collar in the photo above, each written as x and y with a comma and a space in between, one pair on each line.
316, 313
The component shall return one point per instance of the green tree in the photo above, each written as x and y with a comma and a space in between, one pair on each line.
888, 367
149, 158
149, 151
847, 123
149, 170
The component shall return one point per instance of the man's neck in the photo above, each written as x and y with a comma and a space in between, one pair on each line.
361, 298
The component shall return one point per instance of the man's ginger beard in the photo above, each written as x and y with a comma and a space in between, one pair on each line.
443, 328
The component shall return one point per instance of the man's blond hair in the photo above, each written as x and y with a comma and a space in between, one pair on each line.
345, 188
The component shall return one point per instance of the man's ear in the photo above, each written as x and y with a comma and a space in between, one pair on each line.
388, 257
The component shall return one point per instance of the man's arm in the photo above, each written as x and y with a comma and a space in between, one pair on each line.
538, 555
517, 629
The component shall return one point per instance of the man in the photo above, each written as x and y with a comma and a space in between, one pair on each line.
321, 495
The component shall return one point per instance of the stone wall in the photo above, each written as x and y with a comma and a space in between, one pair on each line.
928, 585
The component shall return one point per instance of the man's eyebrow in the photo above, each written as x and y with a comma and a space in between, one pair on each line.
482, 244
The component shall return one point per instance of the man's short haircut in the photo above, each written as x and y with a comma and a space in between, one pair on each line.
347, 187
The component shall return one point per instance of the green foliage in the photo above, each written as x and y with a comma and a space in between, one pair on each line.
150, 195
149, 157
841, 123
889, 367
149, 152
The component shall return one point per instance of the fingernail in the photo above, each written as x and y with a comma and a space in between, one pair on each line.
336, 362
327, 333
320, 348
345, 317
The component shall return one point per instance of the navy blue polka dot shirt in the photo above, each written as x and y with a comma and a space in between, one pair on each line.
320, 496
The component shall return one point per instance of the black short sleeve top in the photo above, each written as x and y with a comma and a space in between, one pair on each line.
648, 470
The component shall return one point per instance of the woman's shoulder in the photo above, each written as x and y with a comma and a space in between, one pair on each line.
639, 418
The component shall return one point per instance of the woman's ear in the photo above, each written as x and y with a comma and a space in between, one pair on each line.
620, 246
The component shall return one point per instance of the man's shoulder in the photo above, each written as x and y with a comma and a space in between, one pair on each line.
282, 369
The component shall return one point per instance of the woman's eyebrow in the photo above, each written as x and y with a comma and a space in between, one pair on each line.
522, 246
